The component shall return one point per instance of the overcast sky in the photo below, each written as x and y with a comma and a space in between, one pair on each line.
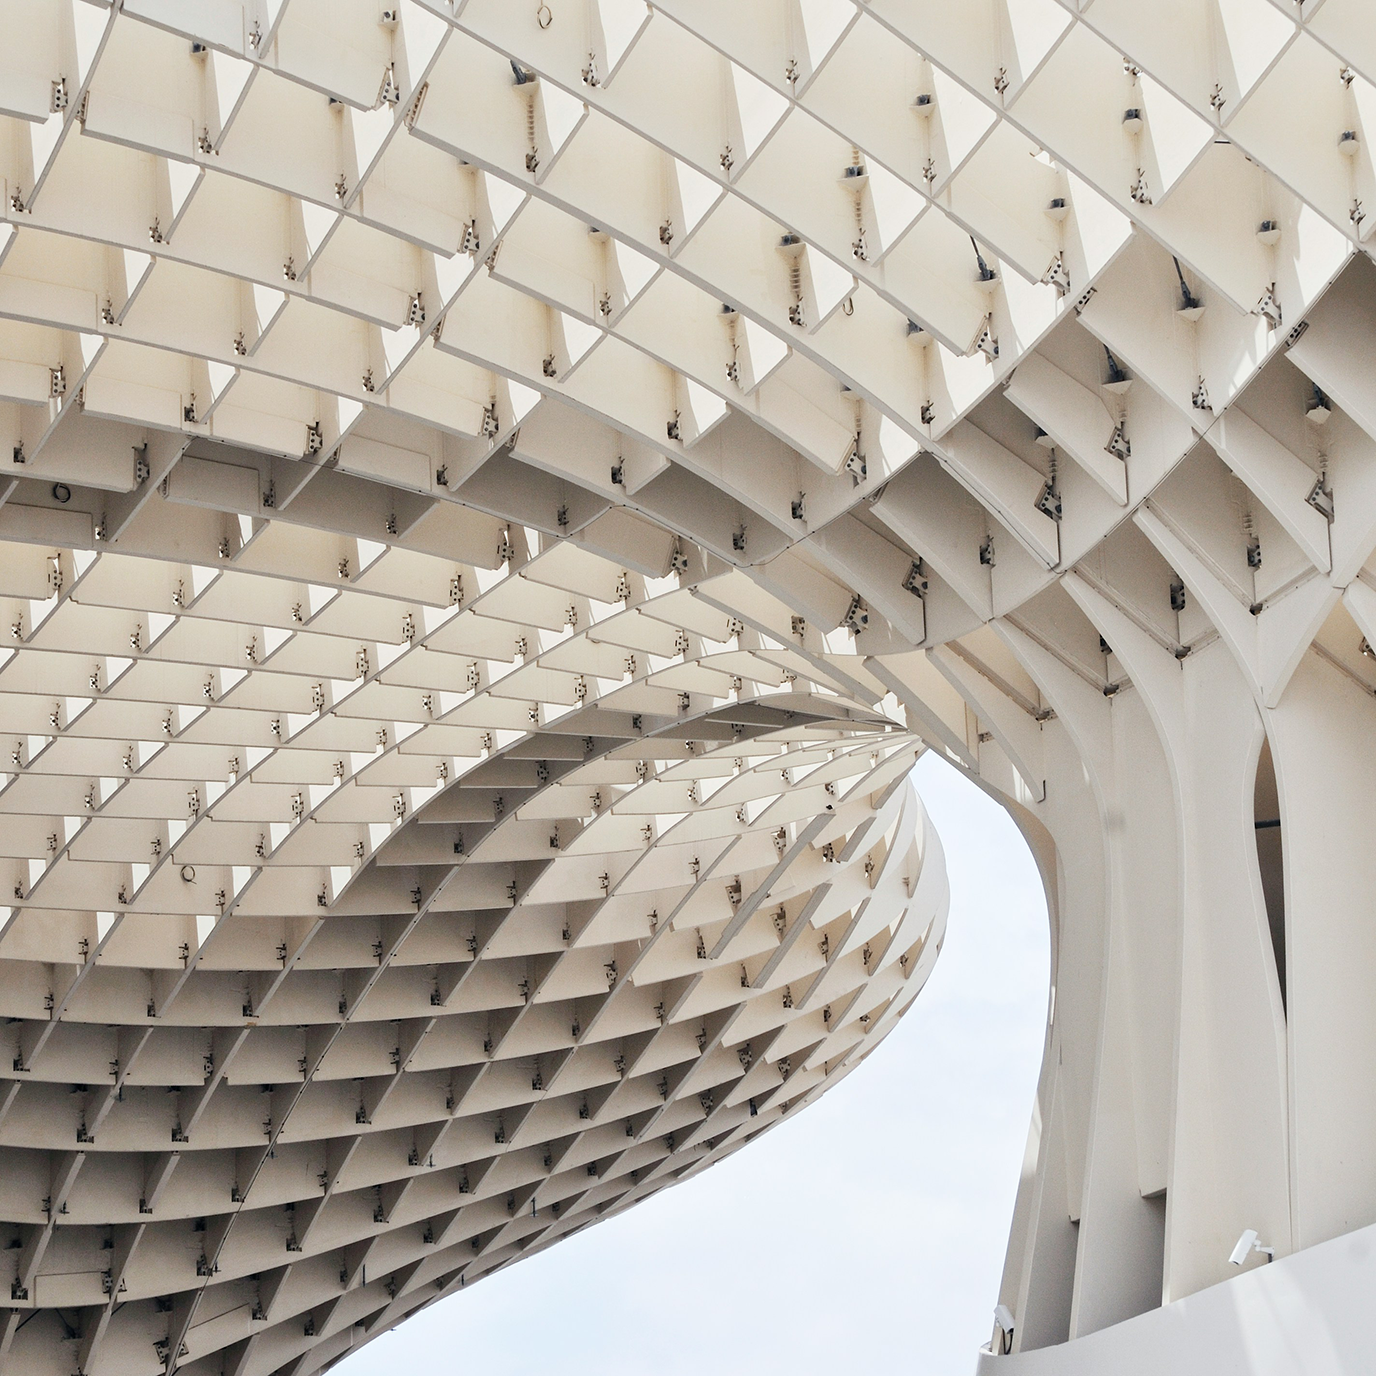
866, 1234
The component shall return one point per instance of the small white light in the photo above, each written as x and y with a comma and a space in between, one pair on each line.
1246, 1245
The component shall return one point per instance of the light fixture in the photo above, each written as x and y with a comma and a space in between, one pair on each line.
1246, 1245
1056, 208
988, 279
1133, 121
1319, 409
1006, 1323
1192, 307
1348, 143
1118, 381
1268, 232
924, 104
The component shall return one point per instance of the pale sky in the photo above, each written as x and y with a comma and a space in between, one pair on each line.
865, 1235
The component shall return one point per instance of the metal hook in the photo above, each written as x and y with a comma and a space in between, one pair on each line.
544, 16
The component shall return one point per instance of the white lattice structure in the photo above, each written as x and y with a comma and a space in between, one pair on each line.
435, 973
493, 498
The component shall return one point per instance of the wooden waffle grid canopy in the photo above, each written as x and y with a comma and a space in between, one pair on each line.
493, 498
341, 971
